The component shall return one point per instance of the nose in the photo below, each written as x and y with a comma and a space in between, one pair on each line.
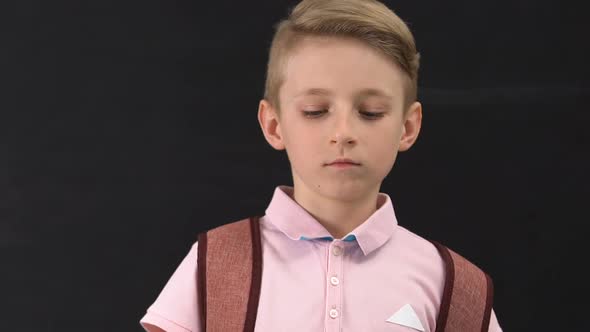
343, 140
343, 133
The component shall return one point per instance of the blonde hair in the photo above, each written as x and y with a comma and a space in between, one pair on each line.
367, 20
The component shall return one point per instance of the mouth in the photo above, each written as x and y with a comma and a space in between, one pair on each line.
343, 162
343, 165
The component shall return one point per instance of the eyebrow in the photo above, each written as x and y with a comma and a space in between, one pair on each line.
369, 92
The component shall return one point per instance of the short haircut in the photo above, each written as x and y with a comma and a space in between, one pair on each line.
369, 21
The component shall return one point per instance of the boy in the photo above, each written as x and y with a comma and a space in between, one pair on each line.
340, 98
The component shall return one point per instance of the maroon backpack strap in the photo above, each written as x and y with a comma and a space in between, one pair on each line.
468, 293
229, 269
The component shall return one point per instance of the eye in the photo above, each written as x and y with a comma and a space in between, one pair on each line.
313, 114
372, 115
368, 115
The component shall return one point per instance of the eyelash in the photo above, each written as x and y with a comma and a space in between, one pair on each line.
315, 114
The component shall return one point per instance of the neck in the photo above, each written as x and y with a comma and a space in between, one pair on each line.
339, 215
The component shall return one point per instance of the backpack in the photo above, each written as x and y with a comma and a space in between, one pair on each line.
230, 272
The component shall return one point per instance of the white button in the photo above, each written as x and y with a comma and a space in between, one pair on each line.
333, 313
334, 281
337, 250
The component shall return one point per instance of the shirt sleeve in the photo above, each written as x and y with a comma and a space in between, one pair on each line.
176, 308
494, 325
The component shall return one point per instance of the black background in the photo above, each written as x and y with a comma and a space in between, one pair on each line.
128, 127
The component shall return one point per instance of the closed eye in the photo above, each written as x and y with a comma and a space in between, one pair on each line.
368, 115
313, 114
373, 115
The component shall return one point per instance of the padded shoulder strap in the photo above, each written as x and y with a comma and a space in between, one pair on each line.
229, 267
467, 297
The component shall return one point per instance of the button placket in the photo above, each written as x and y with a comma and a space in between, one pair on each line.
334, 281
334, 291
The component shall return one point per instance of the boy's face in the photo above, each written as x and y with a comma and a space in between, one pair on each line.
341, 127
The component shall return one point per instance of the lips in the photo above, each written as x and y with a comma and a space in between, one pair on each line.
344, 161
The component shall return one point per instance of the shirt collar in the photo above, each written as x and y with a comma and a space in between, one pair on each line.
295, 222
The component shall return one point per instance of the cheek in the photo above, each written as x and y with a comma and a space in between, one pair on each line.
301, 141
385, 147
303, 135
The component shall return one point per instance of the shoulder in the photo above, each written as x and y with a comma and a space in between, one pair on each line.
236, 225
416, 245
420, 260
429, 251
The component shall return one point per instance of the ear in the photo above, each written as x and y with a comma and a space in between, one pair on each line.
411, 126
270, 125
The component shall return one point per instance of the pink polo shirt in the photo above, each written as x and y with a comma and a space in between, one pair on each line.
380, 277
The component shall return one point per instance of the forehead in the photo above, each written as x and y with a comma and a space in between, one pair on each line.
343, 66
